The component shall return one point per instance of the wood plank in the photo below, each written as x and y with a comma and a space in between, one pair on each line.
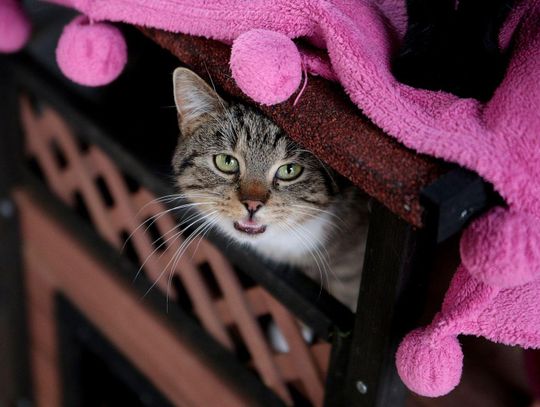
47, 385
392, 252
14, 377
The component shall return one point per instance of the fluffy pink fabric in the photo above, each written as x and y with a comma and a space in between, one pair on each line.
14, 26
441, 360
266, 65
428, 360
91, 54
503, 249
496, 292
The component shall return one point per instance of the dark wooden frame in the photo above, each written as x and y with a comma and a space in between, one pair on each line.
14, 378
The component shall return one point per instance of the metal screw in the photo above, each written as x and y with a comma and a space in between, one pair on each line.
6, 208
361, 387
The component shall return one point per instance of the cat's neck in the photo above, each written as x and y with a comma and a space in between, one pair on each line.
298, 246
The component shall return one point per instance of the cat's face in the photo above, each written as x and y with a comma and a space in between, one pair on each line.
241, 171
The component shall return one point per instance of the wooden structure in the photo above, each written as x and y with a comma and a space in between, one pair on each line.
71, 195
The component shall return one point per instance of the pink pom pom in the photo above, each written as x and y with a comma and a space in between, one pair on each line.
502, 249
428, 366
266, 66
14, 26
92, 54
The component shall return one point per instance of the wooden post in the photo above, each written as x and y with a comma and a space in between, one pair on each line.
14, 377
389, 302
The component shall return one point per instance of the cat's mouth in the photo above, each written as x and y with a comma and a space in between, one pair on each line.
249, 227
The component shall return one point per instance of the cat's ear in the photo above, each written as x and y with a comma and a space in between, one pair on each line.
196, 102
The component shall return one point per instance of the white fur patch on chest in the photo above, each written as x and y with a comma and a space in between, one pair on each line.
294, 246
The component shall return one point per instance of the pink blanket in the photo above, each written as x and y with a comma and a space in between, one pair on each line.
496, 291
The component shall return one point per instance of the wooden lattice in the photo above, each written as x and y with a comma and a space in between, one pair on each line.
85, 175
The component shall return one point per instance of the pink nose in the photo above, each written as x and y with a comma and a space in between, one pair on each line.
252, 206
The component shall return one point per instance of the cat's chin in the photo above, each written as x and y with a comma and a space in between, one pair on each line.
249, 228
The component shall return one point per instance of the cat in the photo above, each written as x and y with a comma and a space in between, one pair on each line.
254, 184
453, 45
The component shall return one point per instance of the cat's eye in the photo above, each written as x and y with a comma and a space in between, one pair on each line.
226, 163
288, 172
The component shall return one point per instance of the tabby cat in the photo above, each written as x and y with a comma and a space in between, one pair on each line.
248, 179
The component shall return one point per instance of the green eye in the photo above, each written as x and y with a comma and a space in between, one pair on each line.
288, 172
226, 163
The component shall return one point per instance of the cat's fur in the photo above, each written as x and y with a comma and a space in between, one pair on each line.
316, 222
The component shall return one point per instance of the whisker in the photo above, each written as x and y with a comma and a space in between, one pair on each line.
206, 226
315, 240
320, 244
198, 213
315, 216
167, 265
191, 237
213, 222
320, 210
174, 197
317, 246
288, 228
154, 218
201, 217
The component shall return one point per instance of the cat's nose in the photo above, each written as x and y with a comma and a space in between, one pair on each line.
252, 206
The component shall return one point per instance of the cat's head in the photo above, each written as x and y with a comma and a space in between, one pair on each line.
240, 170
